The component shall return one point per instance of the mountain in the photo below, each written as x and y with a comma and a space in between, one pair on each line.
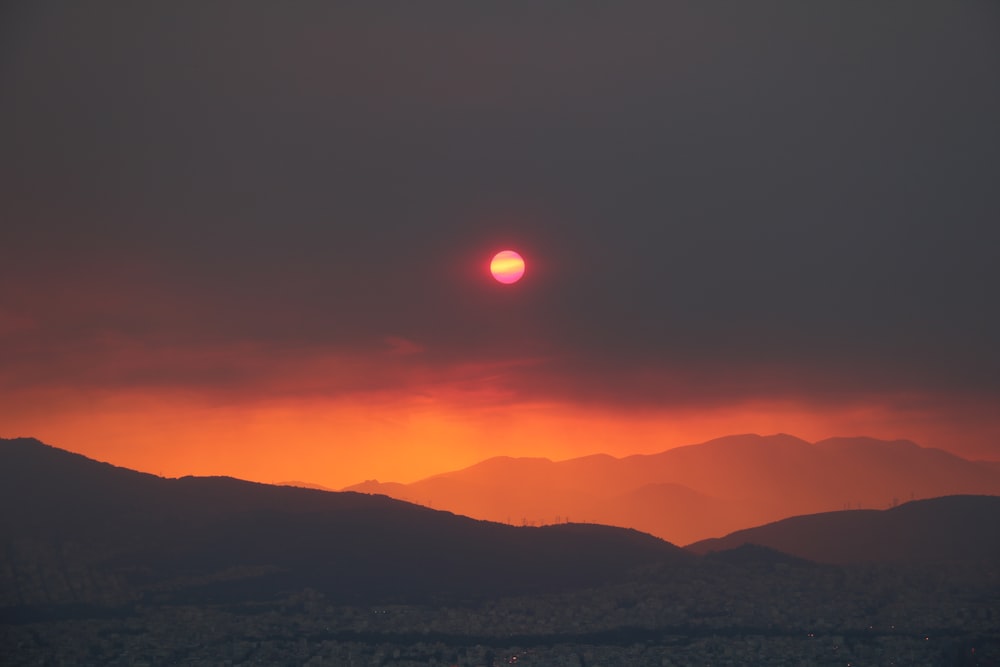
652, 508
78, 531
990, 465
304, 485
951, 529
705, 490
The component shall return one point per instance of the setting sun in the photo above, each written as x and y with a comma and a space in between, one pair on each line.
507, 266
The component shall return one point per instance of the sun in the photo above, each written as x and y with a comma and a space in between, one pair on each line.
507, 266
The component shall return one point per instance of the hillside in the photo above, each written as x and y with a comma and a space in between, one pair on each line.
956, 529
78, 531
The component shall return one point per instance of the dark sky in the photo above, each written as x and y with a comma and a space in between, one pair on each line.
716, 201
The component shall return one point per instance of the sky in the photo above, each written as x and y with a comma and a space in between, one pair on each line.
253, 238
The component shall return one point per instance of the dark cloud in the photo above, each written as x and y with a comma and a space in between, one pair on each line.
771, 197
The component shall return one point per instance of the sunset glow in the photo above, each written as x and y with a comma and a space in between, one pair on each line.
292, 423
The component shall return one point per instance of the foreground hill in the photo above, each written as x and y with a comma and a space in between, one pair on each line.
76, 530
951, 529
700, 491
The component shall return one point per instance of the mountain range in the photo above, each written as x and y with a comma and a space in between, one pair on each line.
74, 531
692, 493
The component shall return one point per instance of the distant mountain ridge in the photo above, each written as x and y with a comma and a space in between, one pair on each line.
705, 490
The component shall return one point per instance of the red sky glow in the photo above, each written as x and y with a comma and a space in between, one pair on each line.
258, 246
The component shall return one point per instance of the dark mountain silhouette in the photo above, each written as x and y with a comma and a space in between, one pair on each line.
699, 491
304, 485
958, 529
78, 531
